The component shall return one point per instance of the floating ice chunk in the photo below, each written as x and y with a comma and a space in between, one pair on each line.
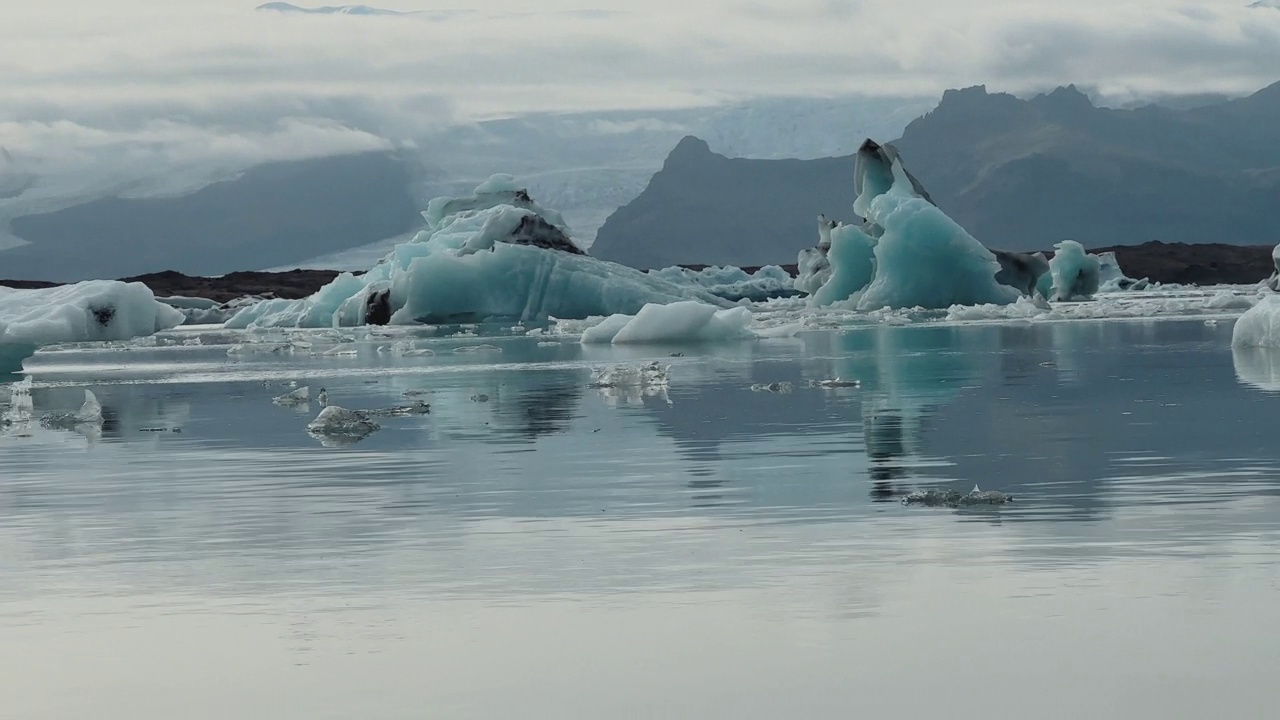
477, 349
778, 388
1259, 326
1022, 271
922, 258
91, 311
732, 283
491, 256
956, 499
1273, 282
1228, 300
1073, 272
334, 421
606, 330
301, 396
687, 321
813, 270
777, 332
20, 404
652, 374
853, 265
1022, 308
90, 413
416, 408
837, 383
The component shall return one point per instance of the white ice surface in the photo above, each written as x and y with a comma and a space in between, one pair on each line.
1259, 327
91, 311
458, 272
681, 322
853, 266
1074, 274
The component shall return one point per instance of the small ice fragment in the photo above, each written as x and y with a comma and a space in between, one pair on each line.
416, 392
956, 499
338, 421
481, 398
301, 396
417, 408
838, 383
340, 351
20, 406
91, 411
651, 375
471, 349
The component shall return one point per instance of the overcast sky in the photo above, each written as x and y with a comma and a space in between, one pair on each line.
190, 78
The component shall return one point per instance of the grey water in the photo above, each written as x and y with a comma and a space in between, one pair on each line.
534, 547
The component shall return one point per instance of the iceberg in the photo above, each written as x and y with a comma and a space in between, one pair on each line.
680, 322
853, 265
919, 257
1073, 273
1273, 282
342, 426
813, 268
90, 311
1022, 271
1112, 279
496, 255
1259, 327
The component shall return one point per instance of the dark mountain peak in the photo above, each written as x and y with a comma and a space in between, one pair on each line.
974, 102
689, 151
691, 146
1067, 98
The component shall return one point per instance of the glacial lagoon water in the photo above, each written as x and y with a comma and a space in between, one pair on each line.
535, 547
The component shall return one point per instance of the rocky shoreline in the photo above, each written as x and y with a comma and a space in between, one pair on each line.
1202, 264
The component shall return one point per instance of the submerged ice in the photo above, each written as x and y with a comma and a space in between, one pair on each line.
494, 255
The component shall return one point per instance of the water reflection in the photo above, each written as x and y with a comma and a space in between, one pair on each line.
737, 541
1258, 367
1067, 421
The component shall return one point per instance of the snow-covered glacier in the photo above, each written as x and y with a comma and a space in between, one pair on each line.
90, 311
494, 255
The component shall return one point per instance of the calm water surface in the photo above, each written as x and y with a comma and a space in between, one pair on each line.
560, 551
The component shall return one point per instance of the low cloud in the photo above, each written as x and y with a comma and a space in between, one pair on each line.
153, 98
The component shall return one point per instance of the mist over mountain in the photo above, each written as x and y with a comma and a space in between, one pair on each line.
269, 215
1018, 174
79, 206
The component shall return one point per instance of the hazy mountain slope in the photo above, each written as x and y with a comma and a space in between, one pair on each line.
707, 208
270, 215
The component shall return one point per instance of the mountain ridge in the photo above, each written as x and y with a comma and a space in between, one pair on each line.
1018, 174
